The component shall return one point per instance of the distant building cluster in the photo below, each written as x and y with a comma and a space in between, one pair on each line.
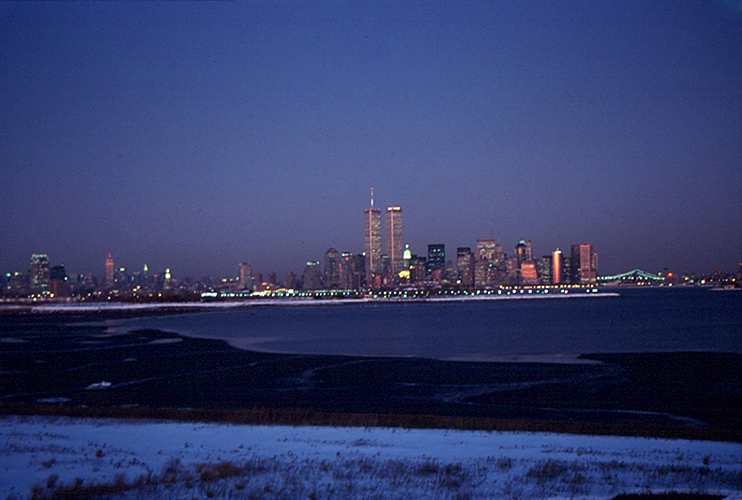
378, 268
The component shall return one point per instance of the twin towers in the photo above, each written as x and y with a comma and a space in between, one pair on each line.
380, 266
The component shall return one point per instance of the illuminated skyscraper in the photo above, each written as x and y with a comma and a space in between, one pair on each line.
372, 240
245, 276
485, 254
557, 266
109, 270
394, 245
332, 268
465, 265
312, 276
524, 251
38, 272
584, 264
436, 257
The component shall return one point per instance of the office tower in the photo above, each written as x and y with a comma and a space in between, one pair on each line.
584, 264
485, 249
546, 269
58, 284
436, 257
332, 268
245, 277
289, 280
557, 267
417, 269
109, 270
465, 265
312, 277
394, 244
346, 271
359, 271
38, 272
524, 251
406, 256
529, 272
485, 258
372, 240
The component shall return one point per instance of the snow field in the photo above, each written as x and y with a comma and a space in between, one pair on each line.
153, 459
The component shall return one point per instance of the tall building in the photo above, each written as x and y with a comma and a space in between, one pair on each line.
394, 244
372, 240
289, 280
465, 265
346, 268
546, 269
38, 272
485, 256
417, 269
406, 256
245, 276
312, 277
332, 268
109, 270
524, 251
557, 267
58, 284
436, 257
584, 264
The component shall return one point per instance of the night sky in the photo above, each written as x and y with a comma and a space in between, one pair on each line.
198, 135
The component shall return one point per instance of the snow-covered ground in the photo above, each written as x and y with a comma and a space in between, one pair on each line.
44, 456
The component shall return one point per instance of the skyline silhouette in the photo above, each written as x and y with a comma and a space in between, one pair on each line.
195, 136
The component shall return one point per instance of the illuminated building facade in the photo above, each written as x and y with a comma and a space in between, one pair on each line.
110, 270
372, 240
557, 263
394, 243
465, 265
38, 272
484, 259
584, 264
312, 277
245, 276
332, 269
436, 257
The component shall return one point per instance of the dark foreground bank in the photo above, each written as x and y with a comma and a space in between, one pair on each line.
62, 368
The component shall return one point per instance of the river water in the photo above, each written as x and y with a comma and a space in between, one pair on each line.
638, 320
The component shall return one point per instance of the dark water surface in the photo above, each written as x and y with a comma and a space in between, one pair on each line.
639, 320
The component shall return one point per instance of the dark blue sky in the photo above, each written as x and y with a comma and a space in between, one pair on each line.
197, 135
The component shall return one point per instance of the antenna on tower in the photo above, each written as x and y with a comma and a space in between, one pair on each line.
372, 197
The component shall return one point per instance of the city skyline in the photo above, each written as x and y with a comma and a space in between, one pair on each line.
198, 136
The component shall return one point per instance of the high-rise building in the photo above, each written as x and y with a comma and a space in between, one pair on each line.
436, 258
406, 256
346, 269
110, 270
312, 277
332, 268
58, 284
289, 280
465, 265
485, 259
524, 251
245, 277
584, 264
372, 240
394, 244
557, 267
417, 269
38, 272
546, 269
